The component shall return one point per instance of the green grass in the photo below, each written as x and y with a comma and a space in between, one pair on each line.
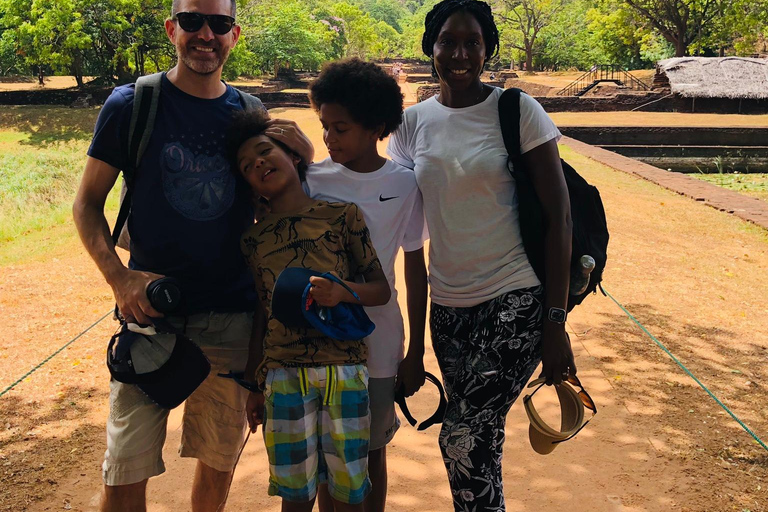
42, 154
750, 184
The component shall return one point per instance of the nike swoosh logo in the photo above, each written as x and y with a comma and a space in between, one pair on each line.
382, 198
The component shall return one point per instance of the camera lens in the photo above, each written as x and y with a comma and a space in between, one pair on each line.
164, 294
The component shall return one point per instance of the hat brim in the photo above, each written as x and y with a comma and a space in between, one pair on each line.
541, 443
542, 437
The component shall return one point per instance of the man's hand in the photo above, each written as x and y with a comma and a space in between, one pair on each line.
557, 360
130, 291
289, 133
254, 410
410, 374
327, 293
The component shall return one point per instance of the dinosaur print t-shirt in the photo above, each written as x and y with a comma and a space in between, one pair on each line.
324, 237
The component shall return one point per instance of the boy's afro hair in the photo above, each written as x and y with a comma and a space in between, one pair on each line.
247, 124
370, 95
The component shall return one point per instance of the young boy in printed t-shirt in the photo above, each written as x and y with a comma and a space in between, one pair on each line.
314, 405
359, 104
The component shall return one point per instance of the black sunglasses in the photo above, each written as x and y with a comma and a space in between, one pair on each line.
437, 416
219, 24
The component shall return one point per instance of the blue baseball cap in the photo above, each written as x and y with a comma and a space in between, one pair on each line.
294, 307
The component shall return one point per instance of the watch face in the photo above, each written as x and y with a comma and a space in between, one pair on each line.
556, 315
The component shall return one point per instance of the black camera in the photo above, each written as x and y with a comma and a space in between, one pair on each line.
164, 294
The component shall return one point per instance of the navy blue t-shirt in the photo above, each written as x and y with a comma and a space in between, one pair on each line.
188, 210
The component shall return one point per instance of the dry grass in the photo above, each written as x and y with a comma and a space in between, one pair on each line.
51, 82
561, 79
659, 119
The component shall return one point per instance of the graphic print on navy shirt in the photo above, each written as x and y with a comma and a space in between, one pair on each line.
196, 180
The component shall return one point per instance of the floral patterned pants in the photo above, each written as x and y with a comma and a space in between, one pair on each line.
486, 353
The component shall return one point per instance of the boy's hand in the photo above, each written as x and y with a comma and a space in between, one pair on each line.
254, 409
327, 293
410, 374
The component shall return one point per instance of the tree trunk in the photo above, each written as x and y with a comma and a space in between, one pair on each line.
122, 71
529, 58
680, 47
77, 70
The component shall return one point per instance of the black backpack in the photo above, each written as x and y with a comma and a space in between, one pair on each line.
590, 231
145, 104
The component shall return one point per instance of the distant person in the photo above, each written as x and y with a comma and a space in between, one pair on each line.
314, 404
359, 105
187, 214
491, 319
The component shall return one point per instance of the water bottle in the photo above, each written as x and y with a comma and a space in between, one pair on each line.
580, 278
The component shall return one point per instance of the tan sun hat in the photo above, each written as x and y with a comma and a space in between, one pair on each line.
544, 439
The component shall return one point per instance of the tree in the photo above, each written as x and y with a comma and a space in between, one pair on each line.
527, 18
360, 30
566, 42
388, 11
55, 35
681, 22
284, 35
741, 23
413, 29
9, 58
621, 36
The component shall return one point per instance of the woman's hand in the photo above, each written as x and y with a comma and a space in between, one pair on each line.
289, 133
254, 409
410, 374
556, 354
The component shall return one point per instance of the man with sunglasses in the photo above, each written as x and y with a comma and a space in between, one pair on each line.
187, 214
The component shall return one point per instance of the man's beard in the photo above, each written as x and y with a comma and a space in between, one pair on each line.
202, 67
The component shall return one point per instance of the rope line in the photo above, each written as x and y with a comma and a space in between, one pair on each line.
41, 363
681, 365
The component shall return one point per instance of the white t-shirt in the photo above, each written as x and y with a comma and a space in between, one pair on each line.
476, 251
392, 206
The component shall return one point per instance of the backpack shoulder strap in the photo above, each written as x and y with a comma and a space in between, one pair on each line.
250, 102
509, 117
145, 99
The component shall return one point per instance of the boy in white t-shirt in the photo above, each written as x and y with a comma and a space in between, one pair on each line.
359, 104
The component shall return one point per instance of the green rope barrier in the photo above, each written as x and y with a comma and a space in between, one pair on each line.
681, 365
41, 363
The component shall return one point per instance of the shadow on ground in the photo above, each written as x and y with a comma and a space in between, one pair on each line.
47, 125
678, 415
44, 442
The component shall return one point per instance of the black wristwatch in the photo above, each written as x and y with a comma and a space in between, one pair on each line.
556, 315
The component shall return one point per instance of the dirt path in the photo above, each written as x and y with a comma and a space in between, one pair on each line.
696, 277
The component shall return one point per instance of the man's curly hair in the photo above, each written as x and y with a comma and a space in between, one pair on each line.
370, 95
247, 124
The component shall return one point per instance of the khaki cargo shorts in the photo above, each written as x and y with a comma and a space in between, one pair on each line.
214, 423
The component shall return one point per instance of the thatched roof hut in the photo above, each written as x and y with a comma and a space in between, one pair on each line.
714, 77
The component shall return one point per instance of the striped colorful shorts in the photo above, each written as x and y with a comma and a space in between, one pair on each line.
316, 429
